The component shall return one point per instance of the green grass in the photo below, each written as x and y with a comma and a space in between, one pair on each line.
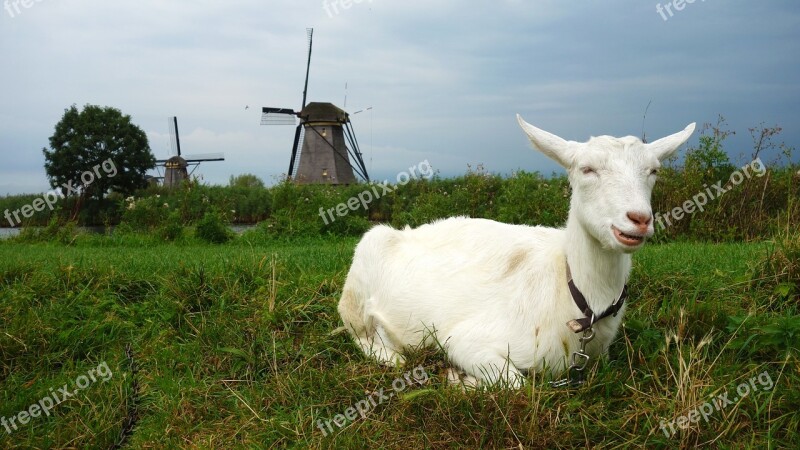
234, 349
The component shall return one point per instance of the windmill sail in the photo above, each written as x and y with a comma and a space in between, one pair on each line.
174, 137
278, 116
297, 149
310, 32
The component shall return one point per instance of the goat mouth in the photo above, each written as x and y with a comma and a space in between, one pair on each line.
630, 240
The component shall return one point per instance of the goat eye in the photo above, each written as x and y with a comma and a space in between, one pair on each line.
654, 172
587, 170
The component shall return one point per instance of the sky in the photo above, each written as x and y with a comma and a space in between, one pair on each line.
444, 79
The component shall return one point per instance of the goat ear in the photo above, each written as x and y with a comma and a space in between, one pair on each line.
667, 146
551, 145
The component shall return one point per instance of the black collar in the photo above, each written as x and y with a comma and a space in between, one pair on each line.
590, 318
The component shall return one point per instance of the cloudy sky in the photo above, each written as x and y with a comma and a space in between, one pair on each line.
444, 78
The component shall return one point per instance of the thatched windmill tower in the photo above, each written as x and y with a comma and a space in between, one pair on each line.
329, 153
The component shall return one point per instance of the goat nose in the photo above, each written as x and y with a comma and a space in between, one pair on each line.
642, 220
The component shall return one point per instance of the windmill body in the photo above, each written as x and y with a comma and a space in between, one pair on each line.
324, 156
175, 172
329, 153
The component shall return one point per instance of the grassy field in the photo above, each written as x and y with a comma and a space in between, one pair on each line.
231, 346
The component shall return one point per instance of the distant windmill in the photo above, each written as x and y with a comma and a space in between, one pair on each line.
329, 152
175, 167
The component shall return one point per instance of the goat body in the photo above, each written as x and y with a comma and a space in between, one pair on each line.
494, 296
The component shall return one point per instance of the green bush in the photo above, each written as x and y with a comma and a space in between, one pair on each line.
474, 194
349, 225
58, 230
213, 228
529, 198
144, 214
173, 229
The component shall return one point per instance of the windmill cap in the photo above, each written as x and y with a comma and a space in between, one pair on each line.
323, 112
176, 162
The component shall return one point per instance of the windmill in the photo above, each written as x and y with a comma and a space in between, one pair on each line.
176, 166
328, 148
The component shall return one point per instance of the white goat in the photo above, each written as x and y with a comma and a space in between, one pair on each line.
495, 296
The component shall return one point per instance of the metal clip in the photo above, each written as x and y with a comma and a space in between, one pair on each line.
588, 335
580, 359
560, 383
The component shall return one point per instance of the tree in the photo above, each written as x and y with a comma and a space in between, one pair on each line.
95, 150
246, 180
